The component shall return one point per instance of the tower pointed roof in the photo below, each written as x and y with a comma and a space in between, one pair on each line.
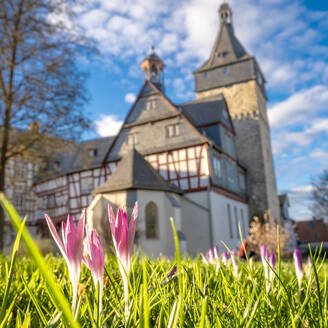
227, 48
134, 172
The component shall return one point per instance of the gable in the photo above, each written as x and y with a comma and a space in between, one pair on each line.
149, 106
149, 124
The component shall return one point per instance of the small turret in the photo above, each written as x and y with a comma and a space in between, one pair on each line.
153, 69
225, 14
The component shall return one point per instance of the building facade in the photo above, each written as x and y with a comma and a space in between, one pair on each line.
206, 163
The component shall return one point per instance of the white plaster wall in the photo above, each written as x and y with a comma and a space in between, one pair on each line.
195, 226
164, 244
200, 197
97, 214
220, 224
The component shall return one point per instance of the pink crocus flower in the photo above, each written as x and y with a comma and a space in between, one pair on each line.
264, 258
211, 256
95, 261
123, 239
234, 262
225, 257
71, 248
272, 261
298, 266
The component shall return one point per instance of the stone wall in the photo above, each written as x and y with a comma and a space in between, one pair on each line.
247, 107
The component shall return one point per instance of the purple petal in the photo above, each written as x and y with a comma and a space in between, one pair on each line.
272, 260
55, 235
132, 228
264, 251
112, 220
298, 260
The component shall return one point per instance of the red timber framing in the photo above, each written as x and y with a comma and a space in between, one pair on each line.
68, 192
186, 167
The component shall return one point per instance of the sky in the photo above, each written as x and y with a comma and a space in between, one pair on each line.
288, 38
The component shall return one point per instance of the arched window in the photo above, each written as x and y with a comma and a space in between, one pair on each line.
152, 221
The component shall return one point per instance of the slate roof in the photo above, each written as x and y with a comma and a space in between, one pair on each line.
134, 172
227, 49
311, 231
204, 111
76, 157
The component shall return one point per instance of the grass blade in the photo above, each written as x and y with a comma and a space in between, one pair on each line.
34, 252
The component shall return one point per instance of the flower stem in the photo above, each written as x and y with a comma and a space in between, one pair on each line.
126, 296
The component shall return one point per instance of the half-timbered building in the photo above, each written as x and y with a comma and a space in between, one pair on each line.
185, 161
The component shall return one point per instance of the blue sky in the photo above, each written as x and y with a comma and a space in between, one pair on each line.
288, 38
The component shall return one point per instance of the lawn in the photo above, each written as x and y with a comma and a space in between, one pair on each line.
36, 291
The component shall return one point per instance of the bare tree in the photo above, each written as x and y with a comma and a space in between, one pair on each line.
42, 89
320, 195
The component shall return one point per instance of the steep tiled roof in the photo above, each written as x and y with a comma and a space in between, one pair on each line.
226, 49
134, 172
311, 231
204, 111
76, 157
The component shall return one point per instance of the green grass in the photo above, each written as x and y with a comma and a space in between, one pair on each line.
209, 299
36, 292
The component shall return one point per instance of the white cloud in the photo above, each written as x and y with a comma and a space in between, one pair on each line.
108, 125
300, 201
284, 139
299, 107
130, 98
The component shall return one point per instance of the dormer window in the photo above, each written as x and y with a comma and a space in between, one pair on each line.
131, 139
150, 104
259, 77
222, 54
93, 152
172, 130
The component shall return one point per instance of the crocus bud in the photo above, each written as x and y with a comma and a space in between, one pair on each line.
71, 248
234, 262
264, 258
298, 266
225, 257
272, 261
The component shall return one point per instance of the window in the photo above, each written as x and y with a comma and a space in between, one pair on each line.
229, 221
236, 221
217, 167
93, 152
206, 75
152, 221
20, 169
172, 130
20, 200
131, 139
242, 182
243, 222
213, 132
150, 104
228, 143
225, 70
231, 171
259, 77
51, 201
86, 185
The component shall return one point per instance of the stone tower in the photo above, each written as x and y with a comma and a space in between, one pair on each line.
232, 72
